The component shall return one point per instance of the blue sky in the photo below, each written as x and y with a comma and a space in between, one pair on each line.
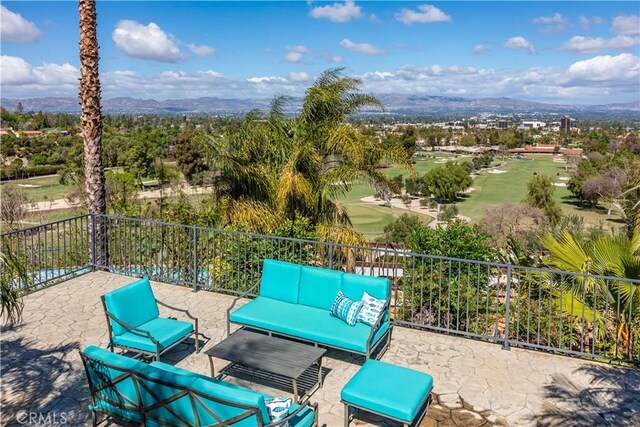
565, 52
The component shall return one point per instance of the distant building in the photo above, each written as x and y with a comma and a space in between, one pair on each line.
503, 124
565, 124
532, 125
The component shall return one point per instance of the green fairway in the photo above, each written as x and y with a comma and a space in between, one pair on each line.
489, 189
44, 188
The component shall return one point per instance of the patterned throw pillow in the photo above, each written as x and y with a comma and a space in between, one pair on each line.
345, 309
278, 408
371, 308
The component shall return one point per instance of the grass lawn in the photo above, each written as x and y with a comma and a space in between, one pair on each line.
47, 188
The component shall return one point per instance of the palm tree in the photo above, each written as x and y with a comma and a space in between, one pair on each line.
92, 124
301, 166
613, 256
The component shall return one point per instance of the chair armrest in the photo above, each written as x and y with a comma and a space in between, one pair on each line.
303, 405
376, 325
182, 310
132, 328
242, 295
233, 304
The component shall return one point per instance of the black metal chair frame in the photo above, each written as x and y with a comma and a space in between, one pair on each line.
159, 351
146, 411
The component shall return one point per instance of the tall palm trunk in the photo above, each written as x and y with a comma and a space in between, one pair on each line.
92, 127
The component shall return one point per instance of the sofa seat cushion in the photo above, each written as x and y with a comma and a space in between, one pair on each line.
166, 331
305, 322
375, 387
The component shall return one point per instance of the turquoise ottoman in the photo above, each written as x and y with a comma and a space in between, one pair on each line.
394, 392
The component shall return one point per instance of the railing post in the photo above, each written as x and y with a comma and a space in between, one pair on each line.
93, 241
195, 259
505, 344
331, 255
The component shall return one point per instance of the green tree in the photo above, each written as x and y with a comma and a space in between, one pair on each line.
445, 183
540, 195
458, 240
401, 229
190, 155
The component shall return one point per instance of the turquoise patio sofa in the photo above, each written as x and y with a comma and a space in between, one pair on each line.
294, 301
158, 394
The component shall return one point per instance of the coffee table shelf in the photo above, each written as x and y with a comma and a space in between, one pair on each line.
282, 357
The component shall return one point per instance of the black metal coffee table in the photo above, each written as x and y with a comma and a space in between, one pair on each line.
254, 350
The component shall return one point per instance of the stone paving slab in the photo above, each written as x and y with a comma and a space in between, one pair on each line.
475, 383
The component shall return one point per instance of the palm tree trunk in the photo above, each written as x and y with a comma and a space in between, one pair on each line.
92, 128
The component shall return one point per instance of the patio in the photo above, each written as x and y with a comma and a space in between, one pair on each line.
475, 383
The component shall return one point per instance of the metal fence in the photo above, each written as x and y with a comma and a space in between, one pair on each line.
544, 309
49, 253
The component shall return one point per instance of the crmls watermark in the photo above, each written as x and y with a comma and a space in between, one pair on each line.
42, 418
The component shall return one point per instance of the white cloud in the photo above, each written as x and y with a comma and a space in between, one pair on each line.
556, 18
614, 70
519, 42
425, 14
298, 76
481, 49
14, 28
147, 42
266, 79
586, 22
628, 25
552, 24
337, 12
295, 54
19, 76
364, 48
201, 50
581, 44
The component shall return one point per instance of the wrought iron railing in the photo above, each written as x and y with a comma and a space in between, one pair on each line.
552, 310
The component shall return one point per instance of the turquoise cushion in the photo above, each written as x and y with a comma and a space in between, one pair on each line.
120, 399
319, 286
375, 387
133, 304
280, 280
167, 331
355, 285
305, 322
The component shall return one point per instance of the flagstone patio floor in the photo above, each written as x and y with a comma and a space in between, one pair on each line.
475, 383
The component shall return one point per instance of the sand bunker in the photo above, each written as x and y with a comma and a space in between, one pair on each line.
29, 185
564, 178
560, 184
497, 171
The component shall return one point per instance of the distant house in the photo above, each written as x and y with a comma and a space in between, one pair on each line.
30, 133
546, 149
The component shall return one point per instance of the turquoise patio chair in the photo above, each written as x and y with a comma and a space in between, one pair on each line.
134, 321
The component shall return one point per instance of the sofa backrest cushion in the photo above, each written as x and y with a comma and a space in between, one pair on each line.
102, 366
133, 304
280, 280
319, 287
355, 285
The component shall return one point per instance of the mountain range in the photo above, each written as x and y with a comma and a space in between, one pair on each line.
393, 103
